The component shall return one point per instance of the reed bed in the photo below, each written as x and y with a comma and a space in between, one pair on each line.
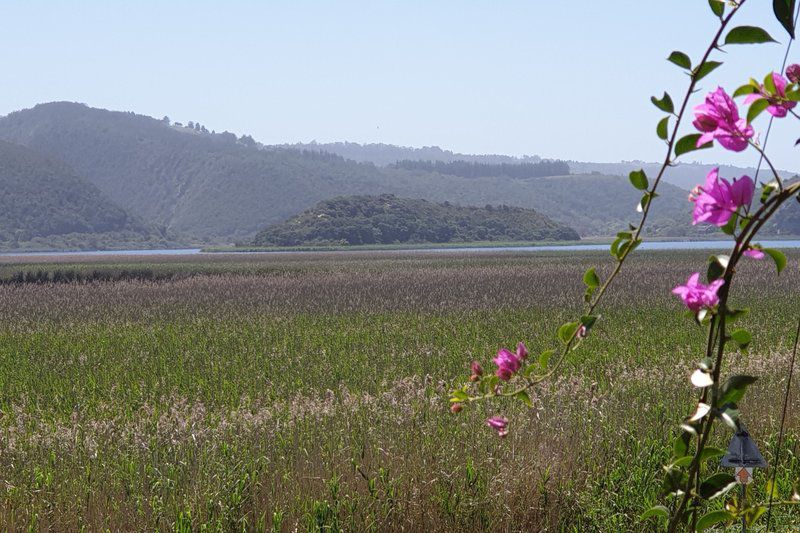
309, 391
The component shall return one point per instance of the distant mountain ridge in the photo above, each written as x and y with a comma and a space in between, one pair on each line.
684, 175
387, 219
196, 186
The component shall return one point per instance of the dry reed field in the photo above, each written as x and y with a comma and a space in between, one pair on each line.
286, 392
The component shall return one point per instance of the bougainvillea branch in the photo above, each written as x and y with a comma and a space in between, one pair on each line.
572, 333
728, 205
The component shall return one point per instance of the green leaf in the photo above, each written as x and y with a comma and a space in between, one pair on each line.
661, 128
590, 278
665, 104
587, 296
777, 256
744, 90
704, 69
756, 108
717, 7
730, 226
544, 358
617, 244
767, 189
742, 337
734, 389
716, 486
524, 397
748, 35
680, 59
688, 143
712, 518
753, 513
707, 453
458, 396
567, 331
658, 511
638, 179
784, 12
769, 84
680, 446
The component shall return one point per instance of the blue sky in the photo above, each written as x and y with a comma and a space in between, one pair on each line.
558, 79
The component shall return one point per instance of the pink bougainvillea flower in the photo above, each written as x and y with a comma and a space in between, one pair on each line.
477, 371
755, 253
717, 200
793, 73
456, 408
718, 119
522, 351
499, 424
779, 106
697, 296
507, 364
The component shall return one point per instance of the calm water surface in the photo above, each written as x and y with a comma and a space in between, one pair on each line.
654, 245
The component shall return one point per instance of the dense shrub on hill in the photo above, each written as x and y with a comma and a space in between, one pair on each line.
387, 219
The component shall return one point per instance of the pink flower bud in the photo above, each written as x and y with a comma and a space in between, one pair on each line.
476, 368
499, 424
793, 73
522, 351
581, 332
456, 408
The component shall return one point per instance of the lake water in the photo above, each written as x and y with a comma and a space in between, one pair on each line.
654, 245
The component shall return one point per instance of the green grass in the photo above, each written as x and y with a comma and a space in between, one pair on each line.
310, 392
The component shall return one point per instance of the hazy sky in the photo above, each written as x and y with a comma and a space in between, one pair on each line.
558, 79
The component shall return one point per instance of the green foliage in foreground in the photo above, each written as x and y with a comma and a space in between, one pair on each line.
387, 219
310, 392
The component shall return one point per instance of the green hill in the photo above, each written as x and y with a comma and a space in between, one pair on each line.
44, 202
387, 219
201, 186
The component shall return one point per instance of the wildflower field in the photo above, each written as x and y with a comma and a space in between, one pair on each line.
310, 391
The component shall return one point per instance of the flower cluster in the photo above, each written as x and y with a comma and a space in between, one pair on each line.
717, 200
779, 105
697, 296
718, 119
509, 363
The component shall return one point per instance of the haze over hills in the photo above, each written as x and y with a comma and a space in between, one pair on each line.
199, 186
684, 175
45, 203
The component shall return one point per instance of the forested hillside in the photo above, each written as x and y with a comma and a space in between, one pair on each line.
197, 185
387, 219
46, 202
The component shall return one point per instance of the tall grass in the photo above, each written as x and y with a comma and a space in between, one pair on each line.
309, 392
